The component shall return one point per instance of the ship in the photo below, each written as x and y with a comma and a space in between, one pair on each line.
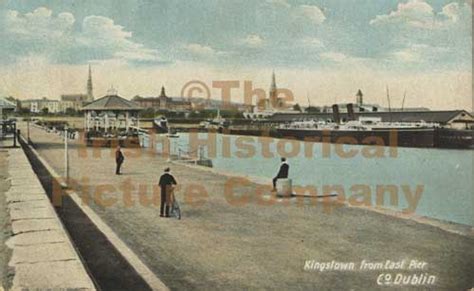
367, 131
217, 124
161, 127
374, 131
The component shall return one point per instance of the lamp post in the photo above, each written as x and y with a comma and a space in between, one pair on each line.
28, 130
66, 155
168, 143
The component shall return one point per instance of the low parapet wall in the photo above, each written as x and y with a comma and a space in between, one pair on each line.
43, 256
108, 259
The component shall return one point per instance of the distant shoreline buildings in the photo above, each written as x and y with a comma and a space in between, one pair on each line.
164, 103
67, 101
263, 109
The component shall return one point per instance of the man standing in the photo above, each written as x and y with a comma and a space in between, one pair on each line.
119, 158
166, 183
282, 173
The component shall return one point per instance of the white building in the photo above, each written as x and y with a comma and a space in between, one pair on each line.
39, 105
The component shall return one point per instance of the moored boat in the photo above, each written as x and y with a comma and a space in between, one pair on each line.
374, 131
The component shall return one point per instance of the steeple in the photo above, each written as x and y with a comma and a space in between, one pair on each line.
273, 91
273, 85
90, 94
360, 99
163, 93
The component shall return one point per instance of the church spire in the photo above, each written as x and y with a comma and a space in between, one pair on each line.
360, 97
163, 93
90, 94
273, 92
273, 85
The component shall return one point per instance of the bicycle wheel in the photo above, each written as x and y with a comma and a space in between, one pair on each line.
177, 210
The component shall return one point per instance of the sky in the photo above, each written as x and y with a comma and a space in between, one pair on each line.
322, 50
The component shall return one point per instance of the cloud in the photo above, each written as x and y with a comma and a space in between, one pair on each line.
200, 50
42, 32
339, 59
420, 14
334, 56
281, 3
102, 33
39, 24
312, 42
411, 54
310, 13
452, 11
418, 53
253, 40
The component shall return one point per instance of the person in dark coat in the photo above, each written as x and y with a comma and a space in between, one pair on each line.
119, 158
282, 173
166, 183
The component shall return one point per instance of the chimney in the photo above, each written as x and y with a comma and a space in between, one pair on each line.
335, 114
350, 111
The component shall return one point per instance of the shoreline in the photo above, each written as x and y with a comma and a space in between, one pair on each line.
263, 234
448, 226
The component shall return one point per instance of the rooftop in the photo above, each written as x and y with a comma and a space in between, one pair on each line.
5, 104
73, 97
112, 102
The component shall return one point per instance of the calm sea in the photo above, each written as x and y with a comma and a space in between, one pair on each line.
445, 175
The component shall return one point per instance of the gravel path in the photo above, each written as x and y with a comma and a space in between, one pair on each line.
225, 245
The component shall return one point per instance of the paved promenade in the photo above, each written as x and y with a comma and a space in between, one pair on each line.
41, 256
5, 252
246, 245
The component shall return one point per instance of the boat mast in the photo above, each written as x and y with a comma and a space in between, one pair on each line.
389, 107
404, 96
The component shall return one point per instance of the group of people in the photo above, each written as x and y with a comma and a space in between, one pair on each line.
167, 181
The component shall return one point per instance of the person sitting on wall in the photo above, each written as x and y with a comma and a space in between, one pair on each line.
282, 173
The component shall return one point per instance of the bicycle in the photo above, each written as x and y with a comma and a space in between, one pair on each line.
175, 210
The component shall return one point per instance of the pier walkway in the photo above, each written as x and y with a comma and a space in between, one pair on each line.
224, 242
38, 252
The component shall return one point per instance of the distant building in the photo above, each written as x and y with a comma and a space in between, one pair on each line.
273, 103
360, 106
51, 105
164, 103
77, 101
74, 101
6, 107
147, 102
40, 105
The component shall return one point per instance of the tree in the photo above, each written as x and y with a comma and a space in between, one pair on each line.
24, 111
45, 110
71, 111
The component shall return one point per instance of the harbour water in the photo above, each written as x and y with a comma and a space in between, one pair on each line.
445, 175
